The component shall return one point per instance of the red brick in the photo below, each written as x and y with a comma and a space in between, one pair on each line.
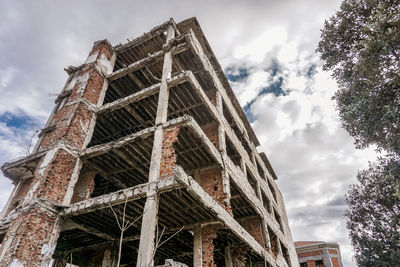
335, 262
208, 234
254, 227
168, 154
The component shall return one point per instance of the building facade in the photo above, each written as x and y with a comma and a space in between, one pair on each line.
147, 159
318, 254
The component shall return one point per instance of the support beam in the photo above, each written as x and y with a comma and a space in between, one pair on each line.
92, 231
146, 92
145, 62
120, 197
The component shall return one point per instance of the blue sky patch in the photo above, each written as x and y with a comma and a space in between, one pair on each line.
275, 89
236, 75
311, 71
22, 121
273, 69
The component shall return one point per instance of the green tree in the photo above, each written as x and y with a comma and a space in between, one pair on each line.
373, 216
360, 44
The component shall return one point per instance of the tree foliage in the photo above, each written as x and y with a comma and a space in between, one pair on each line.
360, 44
373, 217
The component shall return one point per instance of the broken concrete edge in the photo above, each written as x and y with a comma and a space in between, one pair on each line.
120, 196
37, 202
7, 168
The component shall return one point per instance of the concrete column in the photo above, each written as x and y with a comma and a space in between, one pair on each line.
222, 148
228, 257
197, 246
32, 235
149, 221
327, 258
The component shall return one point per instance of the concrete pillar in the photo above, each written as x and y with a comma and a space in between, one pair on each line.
228, 257
149, 220
32, 234
222, 148
197, 246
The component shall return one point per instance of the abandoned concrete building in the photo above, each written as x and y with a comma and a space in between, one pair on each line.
147, 159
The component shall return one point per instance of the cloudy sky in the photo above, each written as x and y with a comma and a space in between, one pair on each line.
267, 49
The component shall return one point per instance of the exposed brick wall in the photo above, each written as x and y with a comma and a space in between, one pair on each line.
211, 130
332, 251
311, 263
310, 253
27, 239
273, 241
79, 125
211, 182
103, 47
84, 186
72, 124
254, 227
55, 180
335, 262
239, 256
168, 154
208, 234
23, 190
28, 235
88, 86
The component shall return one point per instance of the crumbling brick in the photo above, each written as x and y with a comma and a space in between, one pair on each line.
254, 227
211, 130
211, 182
27, 238
56, 177
30, 238
168, 154
208, 234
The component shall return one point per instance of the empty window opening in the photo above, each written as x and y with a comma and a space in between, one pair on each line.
274, 242
253, 182
241, 207
278, 219
266, 202
260, 170
232, 152
271, 187
285, 254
